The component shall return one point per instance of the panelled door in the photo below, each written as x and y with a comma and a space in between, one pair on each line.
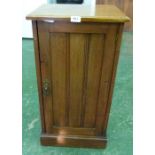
76, 67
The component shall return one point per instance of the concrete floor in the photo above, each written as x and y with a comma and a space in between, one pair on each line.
120, 123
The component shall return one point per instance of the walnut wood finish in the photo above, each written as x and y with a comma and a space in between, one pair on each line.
76, 67
101, 13
126, 6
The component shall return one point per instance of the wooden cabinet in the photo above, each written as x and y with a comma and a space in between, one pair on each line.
76, 66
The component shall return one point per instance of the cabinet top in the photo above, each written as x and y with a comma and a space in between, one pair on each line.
102, 13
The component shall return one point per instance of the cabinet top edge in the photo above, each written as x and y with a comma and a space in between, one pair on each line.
102, 13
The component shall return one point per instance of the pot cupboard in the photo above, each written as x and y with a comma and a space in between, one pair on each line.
76, 55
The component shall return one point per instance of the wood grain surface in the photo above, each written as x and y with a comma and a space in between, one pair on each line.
102, 13
124, 5
76, 67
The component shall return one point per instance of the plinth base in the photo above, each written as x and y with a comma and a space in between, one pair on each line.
73, 141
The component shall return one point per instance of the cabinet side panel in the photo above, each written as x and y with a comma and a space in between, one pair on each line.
114, 69
96, 50
77, 50
45, 73
58, 66
38, 72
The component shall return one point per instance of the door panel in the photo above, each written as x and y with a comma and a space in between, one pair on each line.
96, 51
77, 56
78, 67
57, 51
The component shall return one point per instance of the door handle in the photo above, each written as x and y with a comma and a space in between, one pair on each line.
46, 89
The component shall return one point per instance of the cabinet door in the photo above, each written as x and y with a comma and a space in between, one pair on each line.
76, 68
